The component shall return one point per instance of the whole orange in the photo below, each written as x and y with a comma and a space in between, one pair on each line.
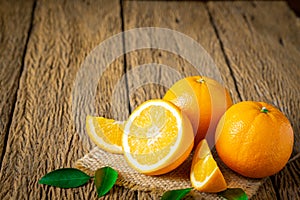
254, 139
203, 100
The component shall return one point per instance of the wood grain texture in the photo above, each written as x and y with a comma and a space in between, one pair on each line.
287, 181
42, 135
190, 18
266, 191
15, 18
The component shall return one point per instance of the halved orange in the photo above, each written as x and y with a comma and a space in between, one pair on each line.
105, 133
205, 174
157, 137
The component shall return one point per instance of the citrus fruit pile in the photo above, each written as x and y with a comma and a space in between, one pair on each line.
254, 139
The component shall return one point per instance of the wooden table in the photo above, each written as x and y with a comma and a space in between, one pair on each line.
256, 46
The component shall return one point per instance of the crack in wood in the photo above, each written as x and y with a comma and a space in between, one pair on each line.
280, 41
124, 55
274, 184
248, 23
14, 100
211, 20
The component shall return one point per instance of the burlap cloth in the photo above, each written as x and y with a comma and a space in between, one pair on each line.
177, 179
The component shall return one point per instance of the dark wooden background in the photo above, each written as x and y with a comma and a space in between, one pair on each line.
256, 46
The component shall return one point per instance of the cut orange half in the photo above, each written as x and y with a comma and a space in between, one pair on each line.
157, 137
205, 173
105, 133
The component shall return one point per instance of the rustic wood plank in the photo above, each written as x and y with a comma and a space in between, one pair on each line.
15, 18
189, 18
287, 181
267, 50
266, 191
42, 134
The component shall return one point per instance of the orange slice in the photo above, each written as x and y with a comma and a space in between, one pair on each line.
105, 133
157, 137
205, 174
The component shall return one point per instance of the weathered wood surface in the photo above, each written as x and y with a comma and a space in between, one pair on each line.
42, 134
287, 182
15, 20
256, 51
175, 17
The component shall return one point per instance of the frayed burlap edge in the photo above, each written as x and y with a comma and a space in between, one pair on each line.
177, 179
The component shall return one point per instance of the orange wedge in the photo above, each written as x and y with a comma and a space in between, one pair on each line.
157, 137
205, 174
105, 133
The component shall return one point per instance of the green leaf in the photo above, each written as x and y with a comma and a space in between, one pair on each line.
105, 178
65, 178
234, 194
175, 194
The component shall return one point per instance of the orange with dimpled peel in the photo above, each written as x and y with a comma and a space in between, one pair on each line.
254, 139
203, 100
